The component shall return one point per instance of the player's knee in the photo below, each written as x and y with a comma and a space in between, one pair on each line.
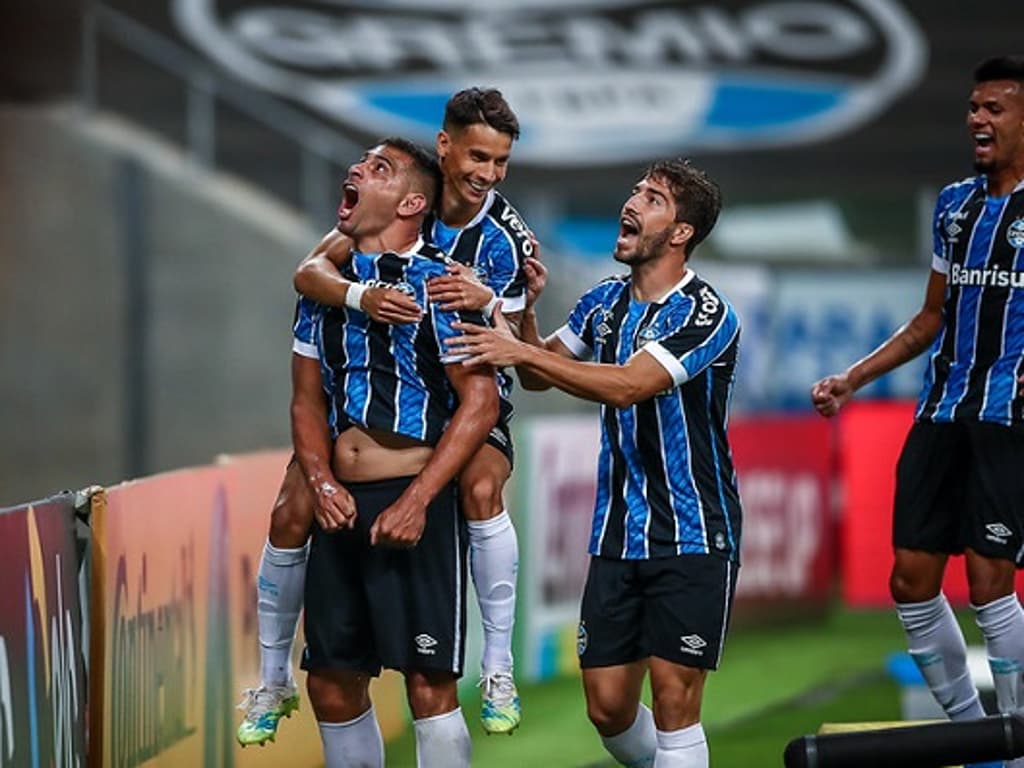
430, 694
481, 497
906, 586
608, 714
290, 520
989, 579
337, 699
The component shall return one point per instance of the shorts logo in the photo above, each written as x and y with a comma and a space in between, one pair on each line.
581, 639
425, 644
1015, 234
997, 533
634, 78
693, 644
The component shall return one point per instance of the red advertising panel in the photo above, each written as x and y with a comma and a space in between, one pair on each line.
42, 674
788, 550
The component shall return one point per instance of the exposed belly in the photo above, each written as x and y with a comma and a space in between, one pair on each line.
364, 455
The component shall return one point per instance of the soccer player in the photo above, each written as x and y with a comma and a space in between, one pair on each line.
480, 231
385, 584
665, 542
960, 477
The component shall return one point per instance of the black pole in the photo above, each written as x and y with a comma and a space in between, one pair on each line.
914, 746
129, 199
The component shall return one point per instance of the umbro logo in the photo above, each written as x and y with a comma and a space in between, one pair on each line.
693, 644
998, 533
425, 644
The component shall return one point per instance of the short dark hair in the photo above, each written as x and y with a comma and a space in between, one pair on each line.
698, 199
480, 105
1010, 67
426, 172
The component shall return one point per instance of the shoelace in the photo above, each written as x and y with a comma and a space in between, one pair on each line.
256, 702
498, 688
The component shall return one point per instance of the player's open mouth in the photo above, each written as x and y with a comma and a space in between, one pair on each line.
349, 199
628, 228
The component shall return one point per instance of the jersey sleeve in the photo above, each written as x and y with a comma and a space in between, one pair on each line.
507, 250
587, 316
443, 321
940, 252
304, 328
699, 336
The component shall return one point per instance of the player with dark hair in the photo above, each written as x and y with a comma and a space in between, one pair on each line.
488, 244
386, 581
665, 539
960, 477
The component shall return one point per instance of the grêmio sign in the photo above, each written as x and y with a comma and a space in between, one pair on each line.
593, 81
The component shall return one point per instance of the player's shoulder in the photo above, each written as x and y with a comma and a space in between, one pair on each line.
607, 290
500, 216
958, 191
430, 252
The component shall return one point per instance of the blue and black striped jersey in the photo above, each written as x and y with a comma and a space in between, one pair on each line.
391, 377
666, 484
306, 328
979, 353
495, 244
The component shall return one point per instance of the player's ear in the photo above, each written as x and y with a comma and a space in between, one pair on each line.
681, 234
413, 204
444, 141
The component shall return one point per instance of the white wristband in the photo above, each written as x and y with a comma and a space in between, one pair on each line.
354, 295
488, 308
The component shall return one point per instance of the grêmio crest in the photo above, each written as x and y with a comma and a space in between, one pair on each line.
592, 81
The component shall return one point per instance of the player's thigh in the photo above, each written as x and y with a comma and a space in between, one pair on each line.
610, 631
677, 692
481, 483
613, 695
292, 515
931, 492
996, 492
687, 606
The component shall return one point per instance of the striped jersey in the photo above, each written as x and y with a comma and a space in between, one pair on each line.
495, 243
978, 355
665, 482
382, 376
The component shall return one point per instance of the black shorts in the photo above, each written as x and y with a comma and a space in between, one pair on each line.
370, 607
501, 438
958, 485
675, 608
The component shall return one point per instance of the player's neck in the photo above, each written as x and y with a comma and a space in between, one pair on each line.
652, 280
457, 212
399, 236
1004, 181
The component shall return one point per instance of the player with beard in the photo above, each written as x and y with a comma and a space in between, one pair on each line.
960, 488
480, 231
665, 539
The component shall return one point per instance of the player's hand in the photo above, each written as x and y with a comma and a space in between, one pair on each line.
391, 306
334, 508
536, 279
830, 394
400, 525
495, 346
459, 289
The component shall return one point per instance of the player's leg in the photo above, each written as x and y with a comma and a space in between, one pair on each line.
613, 661
687, 605
494, 563
927, 514
340, 654
996, 499
442, 738
348, 725
280, 583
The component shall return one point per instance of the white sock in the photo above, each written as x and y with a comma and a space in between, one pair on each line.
635, 746
353, 744
1002, 624
443, 741
937, 646
494, 562
279, 587
685, 748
